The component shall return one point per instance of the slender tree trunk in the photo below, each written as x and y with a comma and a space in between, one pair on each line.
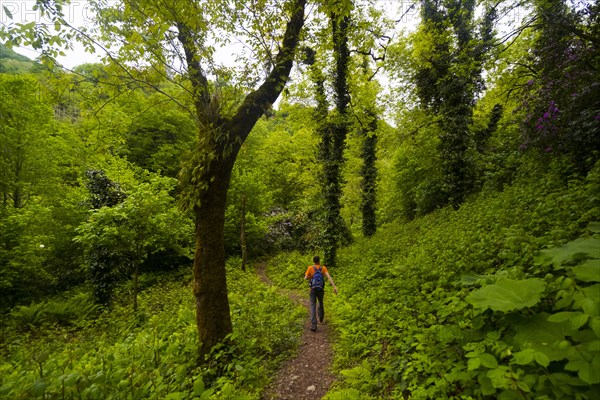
243, 234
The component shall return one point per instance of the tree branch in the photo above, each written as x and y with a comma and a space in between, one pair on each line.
259, 100
198, 79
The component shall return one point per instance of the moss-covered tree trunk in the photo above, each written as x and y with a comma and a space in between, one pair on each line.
210, 284
368, 173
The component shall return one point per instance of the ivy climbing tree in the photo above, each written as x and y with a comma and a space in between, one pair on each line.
450, 54
333, 127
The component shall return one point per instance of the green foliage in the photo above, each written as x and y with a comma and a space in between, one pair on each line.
447, 75
14, 63
508, 294
276, 172
561, 102
103, 191
499, 297
154, 355
287, 269
37, 255
118, 238
25, 131
77, 309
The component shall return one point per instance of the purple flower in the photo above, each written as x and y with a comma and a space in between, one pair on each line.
548, 149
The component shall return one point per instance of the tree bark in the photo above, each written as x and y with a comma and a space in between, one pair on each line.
210, 281
369, 177
334, 139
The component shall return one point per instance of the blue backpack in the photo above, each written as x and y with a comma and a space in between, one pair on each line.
317, 280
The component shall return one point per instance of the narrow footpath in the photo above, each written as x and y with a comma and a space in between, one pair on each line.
307, 375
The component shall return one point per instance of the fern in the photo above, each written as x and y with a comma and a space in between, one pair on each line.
346, 394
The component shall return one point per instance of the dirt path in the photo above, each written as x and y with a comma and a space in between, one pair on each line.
307, 376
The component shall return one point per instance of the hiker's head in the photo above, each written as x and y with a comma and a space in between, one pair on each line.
316, 259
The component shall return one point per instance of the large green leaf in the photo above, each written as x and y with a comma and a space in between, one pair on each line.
560, 254
589, 271
508, 294
537, 333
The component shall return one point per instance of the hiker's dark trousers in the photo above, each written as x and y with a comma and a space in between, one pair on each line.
316, 294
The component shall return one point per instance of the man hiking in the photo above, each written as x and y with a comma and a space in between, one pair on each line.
315, 275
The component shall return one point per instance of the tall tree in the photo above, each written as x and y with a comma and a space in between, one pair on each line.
334, 127
451, 52
367, 90
155, 38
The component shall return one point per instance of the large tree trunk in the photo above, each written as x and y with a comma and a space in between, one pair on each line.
210, 283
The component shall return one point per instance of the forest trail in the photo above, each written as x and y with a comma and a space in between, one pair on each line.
307, 375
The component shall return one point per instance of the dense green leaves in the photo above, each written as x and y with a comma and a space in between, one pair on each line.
119, 237
154, 354
518, 326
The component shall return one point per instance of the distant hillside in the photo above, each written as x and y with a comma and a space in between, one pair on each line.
14, 63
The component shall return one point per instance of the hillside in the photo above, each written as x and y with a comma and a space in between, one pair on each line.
12, 62
499, 299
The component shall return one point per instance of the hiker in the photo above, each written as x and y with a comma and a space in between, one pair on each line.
314, 274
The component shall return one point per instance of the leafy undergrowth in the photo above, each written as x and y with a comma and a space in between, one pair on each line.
287, 270
151, 354
499, 299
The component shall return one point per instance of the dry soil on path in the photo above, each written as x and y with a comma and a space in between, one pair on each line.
307, 375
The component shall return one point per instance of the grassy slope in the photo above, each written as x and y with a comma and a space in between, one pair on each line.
14, 63
401, 315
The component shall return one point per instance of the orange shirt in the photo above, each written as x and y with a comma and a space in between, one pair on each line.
310, 271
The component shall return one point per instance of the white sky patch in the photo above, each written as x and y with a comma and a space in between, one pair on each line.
77, 13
